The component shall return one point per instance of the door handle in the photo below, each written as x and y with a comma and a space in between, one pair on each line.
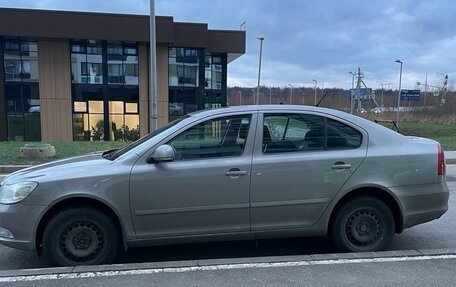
235, 172
341, 166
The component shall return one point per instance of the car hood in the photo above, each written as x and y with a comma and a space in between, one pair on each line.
70, 167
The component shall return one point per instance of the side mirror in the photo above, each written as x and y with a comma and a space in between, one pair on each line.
162, 153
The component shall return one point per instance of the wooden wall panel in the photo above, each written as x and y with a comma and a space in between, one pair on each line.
55, 90
162, 81
3, 120
143, 62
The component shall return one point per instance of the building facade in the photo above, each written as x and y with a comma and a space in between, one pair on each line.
85, 76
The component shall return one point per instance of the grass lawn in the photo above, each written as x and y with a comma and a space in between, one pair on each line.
444, 134
10, 151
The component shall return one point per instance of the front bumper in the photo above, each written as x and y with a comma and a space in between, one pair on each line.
21, 221
422, 203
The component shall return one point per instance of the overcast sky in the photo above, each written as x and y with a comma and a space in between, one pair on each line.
322, 40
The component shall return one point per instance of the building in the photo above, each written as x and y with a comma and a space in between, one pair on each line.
84, 76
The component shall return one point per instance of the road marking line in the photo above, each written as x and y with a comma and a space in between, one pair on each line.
63, 276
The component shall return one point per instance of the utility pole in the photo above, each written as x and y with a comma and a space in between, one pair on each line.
315, 92
351, 96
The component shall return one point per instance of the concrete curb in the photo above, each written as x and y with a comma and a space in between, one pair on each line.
230, 261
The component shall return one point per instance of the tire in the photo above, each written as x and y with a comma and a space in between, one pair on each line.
363, 224
80, 236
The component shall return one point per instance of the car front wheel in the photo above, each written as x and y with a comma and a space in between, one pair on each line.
80, 236
363, 224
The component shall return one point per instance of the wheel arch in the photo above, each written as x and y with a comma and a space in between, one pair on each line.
79, 201
374, 192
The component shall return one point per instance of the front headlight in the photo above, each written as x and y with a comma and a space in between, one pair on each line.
14, 193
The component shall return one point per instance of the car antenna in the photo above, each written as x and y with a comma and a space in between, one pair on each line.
322, 99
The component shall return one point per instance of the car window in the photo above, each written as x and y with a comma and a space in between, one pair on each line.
300, 132
292, 132
342, 136
221, 137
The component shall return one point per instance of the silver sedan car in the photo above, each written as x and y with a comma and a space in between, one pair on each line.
226, 174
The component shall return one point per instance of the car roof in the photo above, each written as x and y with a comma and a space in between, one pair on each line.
366, 124
272, 108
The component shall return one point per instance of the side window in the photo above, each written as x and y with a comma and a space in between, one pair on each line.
292, 132
221, 137
342, 136
299, 132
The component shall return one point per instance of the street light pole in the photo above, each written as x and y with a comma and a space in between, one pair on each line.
153, 71
291, 93
257, 100
315, 92
399, 92
270, 95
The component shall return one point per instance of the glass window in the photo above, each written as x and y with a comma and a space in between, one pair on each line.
297, 132
12, 45
94, 118
116, 107
78, 48
21, 61
222, 137
342, 136
87, 62
213, 72
30, 70
80, 107
13, 68
183, 67
29, 46
23, 111
16, 127
289, 133
115, 49
131, 108
94, 47
95, 106
123, 63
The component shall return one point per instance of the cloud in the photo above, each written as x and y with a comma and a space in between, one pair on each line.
321, 40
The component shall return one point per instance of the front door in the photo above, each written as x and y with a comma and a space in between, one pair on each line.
205, 190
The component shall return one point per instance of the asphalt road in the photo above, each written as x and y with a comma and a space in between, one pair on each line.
437, 234
425, 272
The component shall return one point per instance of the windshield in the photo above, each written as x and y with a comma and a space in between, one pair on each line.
117, 153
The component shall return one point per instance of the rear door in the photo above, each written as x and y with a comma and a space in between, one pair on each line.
301, 161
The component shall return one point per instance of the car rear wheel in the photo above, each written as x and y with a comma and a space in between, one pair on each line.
80, 236
363, 224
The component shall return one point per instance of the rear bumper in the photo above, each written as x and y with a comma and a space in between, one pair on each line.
422, 203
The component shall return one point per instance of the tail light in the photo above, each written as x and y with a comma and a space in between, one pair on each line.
441, 169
